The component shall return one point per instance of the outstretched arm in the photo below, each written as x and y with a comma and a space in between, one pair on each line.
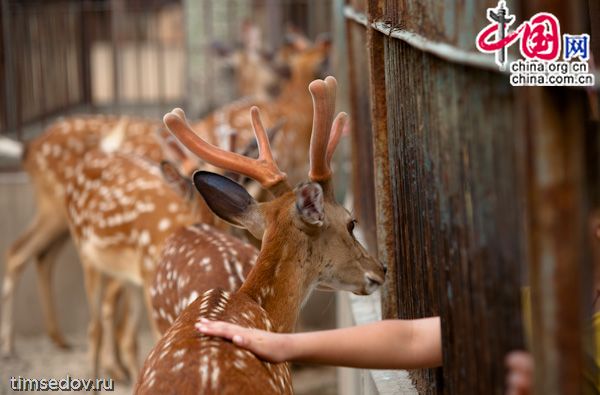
389, 344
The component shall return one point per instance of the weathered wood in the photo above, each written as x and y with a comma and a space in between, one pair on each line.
381, 162
363, 185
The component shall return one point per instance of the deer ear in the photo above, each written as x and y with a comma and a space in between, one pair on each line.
310, 203
230, 201
181, 185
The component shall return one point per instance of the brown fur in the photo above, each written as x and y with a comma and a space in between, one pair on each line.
185, 362
290, 263
120, 212
307, 242
49, 160
197, 258
293, 106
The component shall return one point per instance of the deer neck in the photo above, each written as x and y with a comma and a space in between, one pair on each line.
279, 281
295, 91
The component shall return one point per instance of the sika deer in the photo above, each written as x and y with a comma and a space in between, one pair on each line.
259, 74
49, 160
197, 258
293, 106
51, 156
120, 211
307, 243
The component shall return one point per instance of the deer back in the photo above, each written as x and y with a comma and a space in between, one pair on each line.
186, 362
195, 259
121, 211
51, 158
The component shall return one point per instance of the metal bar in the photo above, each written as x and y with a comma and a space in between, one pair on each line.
274, 22
84, 54
18, 75
139, 19
115, 13
40, 50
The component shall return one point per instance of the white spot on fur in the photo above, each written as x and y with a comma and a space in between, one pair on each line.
144, 238
164, 224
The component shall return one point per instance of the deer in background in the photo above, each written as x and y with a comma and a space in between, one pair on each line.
258, 73
293, 105
49, 160
307, 243
120, 210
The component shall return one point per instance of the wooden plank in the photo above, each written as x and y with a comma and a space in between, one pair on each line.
557, 246
381, 164
363, 186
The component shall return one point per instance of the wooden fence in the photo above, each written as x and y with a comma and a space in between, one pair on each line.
475, 188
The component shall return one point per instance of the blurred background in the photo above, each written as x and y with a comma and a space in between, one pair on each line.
471, 190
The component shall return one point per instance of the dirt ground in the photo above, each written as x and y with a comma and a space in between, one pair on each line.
39, 358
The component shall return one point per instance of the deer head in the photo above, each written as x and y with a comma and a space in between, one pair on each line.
258, 72
307, 236
305, 60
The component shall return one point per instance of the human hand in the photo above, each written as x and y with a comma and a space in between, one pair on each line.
519, 379
269, 346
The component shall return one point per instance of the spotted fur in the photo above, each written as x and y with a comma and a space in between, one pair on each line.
186, 362
50, 160
194, 259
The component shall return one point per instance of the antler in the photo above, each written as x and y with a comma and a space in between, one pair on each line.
325, 136
264, 169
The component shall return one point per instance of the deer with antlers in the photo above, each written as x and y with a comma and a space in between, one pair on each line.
121, 212
307, 243
292, 105
50, 158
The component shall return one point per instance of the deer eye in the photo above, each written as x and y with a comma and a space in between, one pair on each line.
351, 225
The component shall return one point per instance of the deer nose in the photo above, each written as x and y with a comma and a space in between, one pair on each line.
373, 280
385, 267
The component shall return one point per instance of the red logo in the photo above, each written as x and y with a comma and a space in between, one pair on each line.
539, 37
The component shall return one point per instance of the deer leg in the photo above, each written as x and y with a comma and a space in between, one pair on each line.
109, 359
44, 264
94, 284
42, 231
148, 299
128, 339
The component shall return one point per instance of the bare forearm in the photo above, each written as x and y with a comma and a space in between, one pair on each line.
391, 344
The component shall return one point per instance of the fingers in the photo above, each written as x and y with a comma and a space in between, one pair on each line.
519, 380
219, 328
